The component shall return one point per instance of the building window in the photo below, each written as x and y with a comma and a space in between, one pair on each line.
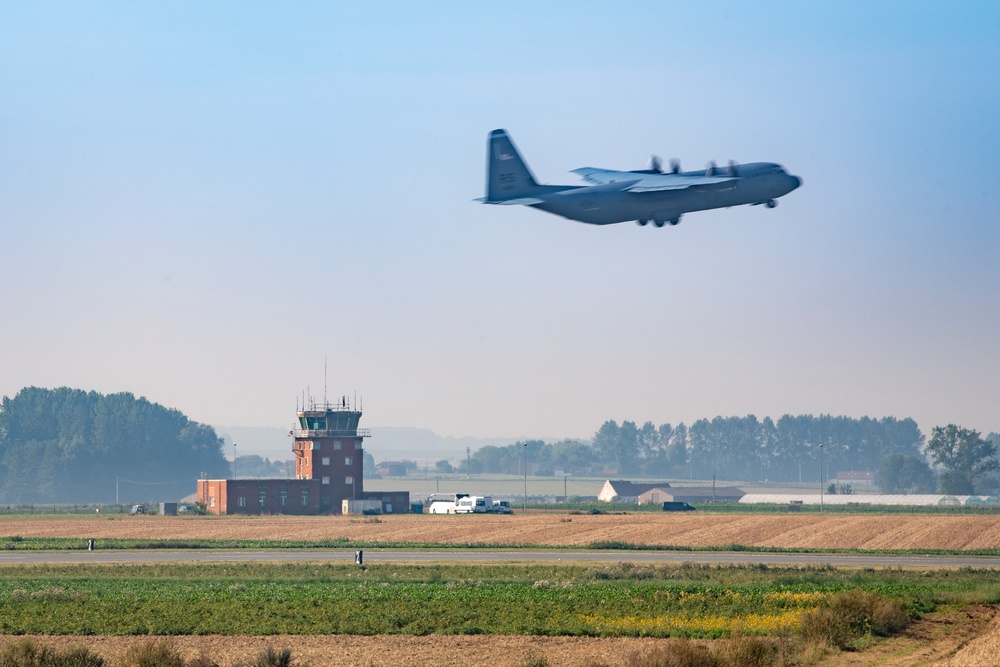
211, 501
241, 501
326, 460
348, 461
305, 461
349, 481
336, 444
326, 480
357, 444
284, 497
309, 445
262, 497
305, 497
317, 445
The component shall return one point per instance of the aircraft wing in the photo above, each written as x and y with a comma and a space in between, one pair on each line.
652, 182
521, 201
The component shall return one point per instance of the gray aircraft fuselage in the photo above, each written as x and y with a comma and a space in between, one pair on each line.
642, 195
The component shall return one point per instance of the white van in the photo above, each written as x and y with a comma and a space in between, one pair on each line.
474, 505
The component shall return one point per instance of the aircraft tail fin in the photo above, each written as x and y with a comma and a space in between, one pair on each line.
507, 175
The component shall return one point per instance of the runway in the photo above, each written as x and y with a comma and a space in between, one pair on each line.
428, 557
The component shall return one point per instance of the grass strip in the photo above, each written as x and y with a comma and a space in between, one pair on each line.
18, 543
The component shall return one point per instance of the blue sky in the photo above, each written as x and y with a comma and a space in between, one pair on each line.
202, 202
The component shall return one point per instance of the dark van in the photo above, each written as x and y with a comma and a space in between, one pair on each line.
677, 507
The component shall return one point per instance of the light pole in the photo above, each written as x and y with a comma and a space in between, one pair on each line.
821, 478
234, 460
526, 477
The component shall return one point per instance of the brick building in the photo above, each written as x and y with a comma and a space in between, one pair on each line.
259, 496
329, 460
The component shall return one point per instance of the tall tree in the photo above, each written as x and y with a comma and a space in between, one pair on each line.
965, 456
677, 451
71, 446
618, 445
905, 473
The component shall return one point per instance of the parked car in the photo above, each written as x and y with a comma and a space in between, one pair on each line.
501, 506
138, 509
677, 507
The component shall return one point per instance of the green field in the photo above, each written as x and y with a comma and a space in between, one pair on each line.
606, 600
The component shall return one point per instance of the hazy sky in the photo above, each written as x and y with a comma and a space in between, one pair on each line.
201, 202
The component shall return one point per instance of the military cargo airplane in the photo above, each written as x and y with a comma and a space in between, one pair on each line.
645, 195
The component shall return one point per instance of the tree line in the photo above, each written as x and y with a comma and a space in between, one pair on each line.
72, 446
795, 448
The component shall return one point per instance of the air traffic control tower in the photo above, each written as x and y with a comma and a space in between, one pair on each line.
329, 447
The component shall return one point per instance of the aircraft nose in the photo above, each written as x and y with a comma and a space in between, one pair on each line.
796, 182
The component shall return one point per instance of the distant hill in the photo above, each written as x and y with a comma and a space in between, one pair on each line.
387, 443
270, 442
423, 445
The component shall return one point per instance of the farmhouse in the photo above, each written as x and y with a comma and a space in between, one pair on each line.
620, 491
693, 494
391, 468
329, 459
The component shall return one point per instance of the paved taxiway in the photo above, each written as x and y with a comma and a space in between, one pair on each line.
490, 556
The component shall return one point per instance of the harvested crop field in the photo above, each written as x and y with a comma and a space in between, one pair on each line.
382, 651
959, 639
895, 531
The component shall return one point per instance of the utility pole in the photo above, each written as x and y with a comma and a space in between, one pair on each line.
234, 460
468, 463
525, 477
